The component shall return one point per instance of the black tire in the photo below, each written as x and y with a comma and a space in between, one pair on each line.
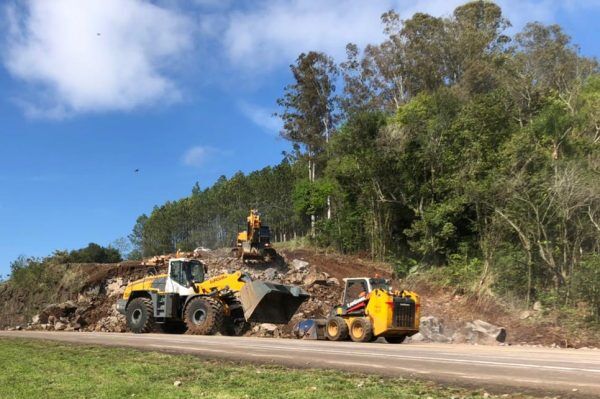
235, 327
336, 329
140, 315
395, 340
235, 324
361, 330
173, 327
204, 316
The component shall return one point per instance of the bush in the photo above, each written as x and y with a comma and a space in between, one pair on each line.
94, 253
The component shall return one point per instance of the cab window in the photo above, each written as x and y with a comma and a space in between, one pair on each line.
194, 271
176, 272
355, 289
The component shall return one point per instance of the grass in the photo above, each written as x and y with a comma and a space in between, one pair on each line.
40, 369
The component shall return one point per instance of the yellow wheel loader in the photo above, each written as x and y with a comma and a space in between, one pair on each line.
371, 309
255, 241
184, 300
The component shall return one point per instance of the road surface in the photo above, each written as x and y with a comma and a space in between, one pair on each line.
500, 368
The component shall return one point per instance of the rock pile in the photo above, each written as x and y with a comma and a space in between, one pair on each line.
471, 332
94, 310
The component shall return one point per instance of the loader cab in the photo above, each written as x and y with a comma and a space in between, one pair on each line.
360, 287
183, 274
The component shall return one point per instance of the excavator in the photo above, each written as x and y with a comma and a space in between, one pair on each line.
184, 300
255, 241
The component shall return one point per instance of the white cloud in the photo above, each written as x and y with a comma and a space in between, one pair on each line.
262, 117
272, 33
94, 55
199, 155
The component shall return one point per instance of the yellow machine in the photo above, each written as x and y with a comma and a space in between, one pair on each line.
371, 309
255, 241
184, 300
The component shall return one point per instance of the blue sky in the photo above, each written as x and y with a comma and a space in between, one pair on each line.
181, 90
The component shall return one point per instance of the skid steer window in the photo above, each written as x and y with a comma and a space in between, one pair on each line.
355, 289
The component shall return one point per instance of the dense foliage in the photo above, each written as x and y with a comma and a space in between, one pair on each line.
450, 145
39, 274
212, 217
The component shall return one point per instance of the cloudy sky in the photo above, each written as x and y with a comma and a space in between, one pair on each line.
182, 90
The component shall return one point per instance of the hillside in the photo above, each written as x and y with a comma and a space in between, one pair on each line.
83, 298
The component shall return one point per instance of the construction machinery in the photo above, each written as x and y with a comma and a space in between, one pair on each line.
185, 300
370, 309
255, 241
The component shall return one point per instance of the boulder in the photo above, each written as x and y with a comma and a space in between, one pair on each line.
432, 330
270, 274
418, 337
35, 319
333, 281
294, 278
269, 327
59, 326
315, 277
299, 265
57, 311
268, 330
480, 332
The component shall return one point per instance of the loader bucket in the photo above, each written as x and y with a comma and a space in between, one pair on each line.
265, 302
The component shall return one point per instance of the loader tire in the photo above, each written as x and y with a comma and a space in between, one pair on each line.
140, 315
361, 330
395, 340
336, 329
204, 316
235, 324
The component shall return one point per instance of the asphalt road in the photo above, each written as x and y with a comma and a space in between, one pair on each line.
568, 372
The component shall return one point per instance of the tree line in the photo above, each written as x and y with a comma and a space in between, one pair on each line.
451, 145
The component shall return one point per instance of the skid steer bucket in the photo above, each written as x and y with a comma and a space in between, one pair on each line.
265, 302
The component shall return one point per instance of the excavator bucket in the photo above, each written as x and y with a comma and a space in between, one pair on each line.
265, 302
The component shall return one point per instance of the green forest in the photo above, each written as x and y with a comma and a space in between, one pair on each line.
455, 146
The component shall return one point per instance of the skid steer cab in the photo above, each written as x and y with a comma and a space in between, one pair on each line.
184, 300
371, 309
